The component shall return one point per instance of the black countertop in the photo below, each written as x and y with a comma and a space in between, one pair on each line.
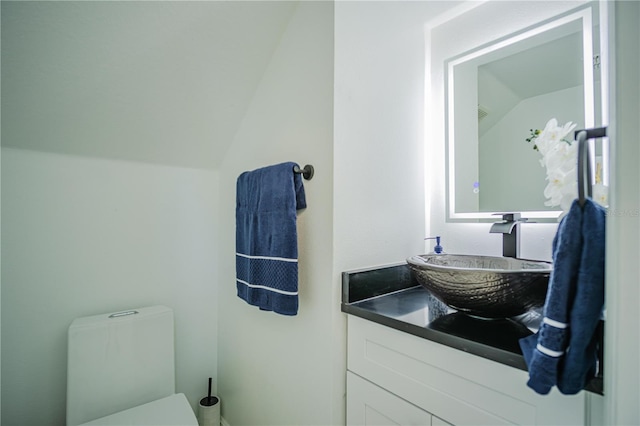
392, 297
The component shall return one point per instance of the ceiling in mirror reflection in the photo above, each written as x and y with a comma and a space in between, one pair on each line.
527, 74
541, 69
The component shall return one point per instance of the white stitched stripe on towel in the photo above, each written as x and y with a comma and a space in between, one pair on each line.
282, 259
289, 293
547, 351
554, 323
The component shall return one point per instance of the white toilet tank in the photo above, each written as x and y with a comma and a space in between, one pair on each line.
119, 361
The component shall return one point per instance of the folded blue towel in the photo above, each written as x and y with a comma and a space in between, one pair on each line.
564, 351
267, 237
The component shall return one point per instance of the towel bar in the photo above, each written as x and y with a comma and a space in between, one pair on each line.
584, 169
307, 171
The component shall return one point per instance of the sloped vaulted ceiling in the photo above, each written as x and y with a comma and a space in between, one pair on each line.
158, 82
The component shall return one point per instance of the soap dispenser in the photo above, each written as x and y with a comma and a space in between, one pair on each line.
438, 248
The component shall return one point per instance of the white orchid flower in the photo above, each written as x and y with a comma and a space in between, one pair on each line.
559, 158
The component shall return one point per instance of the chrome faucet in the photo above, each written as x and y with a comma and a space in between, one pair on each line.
509, 230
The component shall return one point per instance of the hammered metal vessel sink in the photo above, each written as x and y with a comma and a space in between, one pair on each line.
483, 286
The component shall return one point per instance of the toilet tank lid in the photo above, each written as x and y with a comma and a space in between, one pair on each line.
113, 317
172, 410
107, 350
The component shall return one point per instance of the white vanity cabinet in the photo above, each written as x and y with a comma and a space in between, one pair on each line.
370, 405
398, 378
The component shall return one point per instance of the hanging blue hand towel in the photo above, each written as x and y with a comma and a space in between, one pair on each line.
267, 200
564, 351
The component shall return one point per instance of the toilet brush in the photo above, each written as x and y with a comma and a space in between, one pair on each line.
209, 410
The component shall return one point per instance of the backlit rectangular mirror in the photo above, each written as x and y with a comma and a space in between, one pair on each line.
497, 93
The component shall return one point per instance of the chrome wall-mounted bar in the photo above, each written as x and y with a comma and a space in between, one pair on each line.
307, 171
584, 169
597, 132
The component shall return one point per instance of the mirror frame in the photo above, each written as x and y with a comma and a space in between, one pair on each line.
585, 14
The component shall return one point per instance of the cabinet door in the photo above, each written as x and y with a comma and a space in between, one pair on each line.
370, 405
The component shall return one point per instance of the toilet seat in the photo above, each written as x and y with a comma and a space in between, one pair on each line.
173, 410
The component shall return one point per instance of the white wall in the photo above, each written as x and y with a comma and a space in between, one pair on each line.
83, 236
622, 329
274, 369
0, 287
379, 131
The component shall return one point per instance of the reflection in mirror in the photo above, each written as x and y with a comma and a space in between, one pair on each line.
495, 95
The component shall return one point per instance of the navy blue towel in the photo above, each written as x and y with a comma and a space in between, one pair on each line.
266, 237
564, 351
